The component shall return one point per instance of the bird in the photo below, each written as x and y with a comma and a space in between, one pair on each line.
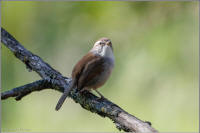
92, 70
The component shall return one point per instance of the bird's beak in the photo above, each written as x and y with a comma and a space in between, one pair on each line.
109, 44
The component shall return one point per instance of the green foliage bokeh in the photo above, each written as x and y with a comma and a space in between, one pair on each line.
156, 71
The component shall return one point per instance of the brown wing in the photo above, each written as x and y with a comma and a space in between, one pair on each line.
90, 74
80, 66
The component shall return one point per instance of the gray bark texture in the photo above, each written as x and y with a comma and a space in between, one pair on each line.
52, 79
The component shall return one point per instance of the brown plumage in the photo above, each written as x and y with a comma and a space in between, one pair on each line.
93, 70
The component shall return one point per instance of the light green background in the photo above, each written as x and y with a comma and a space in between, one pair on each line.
156, 73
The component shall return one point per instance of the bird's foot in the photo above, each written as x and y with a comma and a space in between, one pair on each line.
101, 96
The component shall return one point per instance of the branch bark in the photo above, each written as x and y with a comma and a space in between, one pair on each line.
52, 79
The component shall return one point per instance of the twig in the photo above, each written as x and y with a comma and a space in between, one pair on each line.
22, 91
54, 80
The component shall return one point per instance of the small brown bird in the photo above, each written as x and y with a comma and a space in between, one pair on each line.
93, 70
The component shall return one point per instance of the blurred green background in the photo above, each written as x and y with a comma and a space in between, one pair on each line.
155, 76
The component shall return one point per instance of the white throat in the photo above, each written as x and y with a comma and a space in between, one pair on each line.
107, 52
104, 51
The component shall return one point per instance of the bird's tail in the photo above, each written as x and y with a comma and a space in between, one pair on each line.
64, 95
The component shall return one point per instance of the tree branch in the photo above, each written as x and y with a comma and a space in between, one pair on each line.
24, 90
54, 80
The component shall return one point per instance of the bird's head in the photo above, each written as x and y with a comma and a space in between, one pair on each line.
103, 47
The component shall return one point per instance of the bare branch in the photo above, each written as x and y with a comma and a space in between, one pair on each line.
24, 90
32, 62
54, 80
